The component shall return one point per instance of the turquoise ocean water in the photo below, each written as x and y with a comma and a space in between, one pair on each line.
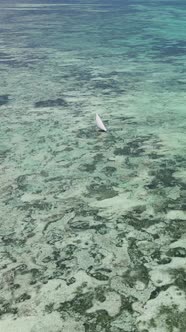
92, 224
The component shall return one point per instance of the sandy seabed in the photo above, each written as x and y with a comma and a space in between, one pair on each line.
93, 225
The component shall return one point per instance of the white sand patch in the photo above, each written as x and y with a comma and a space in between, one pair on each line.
163, 274
170, 298
49, 323
161, 277
180, 175
181, 243
117, 205
59, 292
176, 214
28, 197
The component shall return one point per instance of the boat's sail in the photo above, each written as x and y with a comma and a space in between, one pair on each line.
99, 123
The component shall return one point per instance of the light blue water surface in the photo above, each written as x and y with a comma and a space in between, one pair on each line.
92, 227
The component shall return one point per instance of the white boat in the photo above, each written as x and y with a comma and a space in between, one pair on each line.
100, 123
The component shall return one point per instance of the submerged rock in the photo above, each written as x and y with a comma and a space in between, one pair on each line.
4, 99
51, 103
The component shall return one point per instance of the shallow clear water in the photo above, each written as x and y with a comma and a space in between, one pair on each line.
93, 225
